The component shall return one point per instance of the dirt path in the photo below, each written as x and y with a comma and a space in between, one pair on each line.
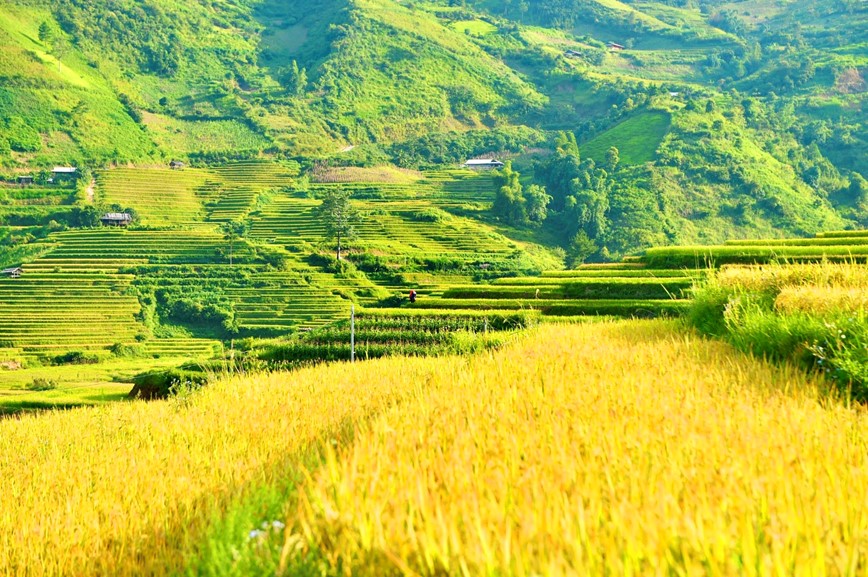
89, 190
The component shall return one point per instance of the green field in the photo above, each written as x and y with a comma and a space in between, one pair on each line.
732, 122
636, 139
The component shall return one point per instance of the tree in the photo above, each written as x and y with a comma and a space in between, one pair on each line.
233, 231
613, 157
338, 216
580, 248
47, 33
54, 40
558, 173
508, 200
536, 201
567, 145
295, 79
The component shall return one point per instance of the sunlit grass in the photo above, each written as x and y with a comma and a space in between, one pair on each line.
127, 489
624, 450
583, 449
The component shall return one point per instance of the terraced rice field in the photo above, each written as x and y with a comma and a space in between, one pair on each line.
396, 218
266, 302
159, 195
80, 295
47, 311
833, 246
383, 332
162, 196
620, 291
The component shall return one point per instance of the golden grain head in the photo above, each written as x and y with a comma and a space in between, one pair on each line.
608, 448
598, 450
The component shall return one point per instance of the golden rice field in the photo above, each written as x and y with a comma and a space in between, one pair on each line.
829, 275
622, 448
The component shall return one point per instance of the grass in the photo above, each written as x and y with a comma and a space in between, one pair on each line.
595, 482
76, 385
704, 472
813, 314
636, 139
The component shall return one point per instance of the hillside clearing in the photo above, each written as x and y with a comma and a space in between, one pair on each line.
636, 139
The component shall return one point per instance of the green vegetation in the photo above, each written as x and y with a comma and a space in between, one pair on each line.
625, 126
839, 246
636, 139
812, 314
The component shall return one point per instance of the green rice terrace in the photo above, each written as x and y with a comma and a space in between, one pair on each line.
86, 312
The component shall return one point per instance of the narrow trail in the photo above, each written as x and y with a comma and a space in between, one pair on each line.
90, 189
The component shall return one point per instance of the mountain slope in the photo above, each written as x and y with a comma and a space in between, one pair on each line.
730, 118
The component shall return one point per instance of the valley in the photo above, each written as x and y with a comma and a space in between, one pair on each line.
433, 287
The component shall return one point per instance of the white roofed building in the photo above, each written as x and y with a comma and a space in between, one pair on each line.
483, 163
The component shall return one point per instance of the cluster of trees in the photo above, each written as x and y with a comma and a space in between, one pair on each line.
570, 195
141, 31
293, 78
454, 147
580, 193
515, 204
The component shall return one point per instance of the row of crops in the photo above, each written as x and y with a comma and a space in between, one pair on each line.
620, 290
831, 246
381, 332
162, 196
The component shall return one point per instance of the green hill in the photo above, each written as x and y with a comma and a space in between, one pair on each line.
729, 119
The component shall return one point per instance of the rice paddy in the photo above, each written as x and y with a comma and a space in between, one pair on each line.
545, 438
416, 466
91, 292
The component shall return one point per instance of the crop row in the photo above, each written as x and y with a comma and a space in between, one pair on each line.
559, 307
559, 275
699, 256
817, 241
575, 289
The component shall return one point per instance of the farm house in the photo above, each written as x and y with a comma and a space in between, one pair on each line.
13, 272
116, 219
483, 164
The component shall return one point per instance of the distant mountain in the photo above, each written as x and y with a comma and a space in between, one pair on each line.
730, 118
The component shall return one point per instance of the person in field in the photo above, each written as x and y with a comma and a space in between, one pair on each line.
412, 296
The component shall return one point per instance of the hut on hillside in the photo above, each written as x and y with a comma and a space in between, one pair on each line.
615, 46
176, 165
116, 219
14, 272
483, 164
25, 179
63, 174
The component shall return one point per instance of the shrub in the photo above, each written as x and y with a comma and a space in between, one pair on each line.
159, 384
125, 350
76, 358
42, 384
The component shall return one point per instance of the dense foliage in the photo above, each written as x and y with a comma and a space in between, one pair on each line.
811, 314
726, 122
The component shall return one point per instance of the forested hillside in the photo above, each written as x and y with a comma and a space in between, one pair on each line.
694, 121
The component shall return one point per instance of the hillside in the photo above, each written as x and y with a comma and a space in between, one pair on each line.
730, 119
